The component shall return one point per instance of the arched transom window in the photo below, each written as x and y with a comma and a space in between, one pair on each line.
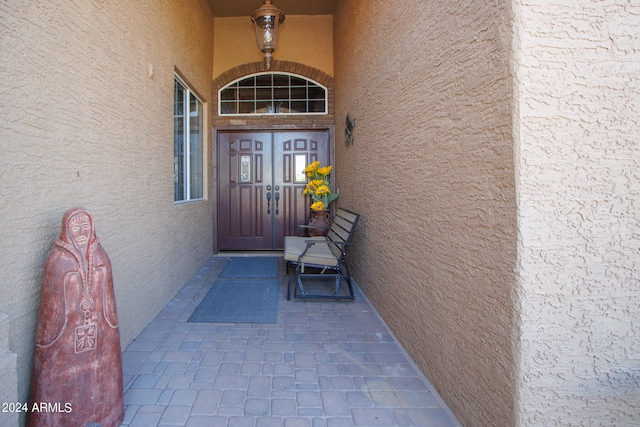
272, 93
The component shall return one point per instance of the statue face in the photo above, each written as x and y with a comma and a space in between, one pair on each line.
80, 229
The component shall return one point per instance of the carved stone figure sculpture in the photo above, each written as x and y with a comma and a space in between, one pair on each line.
77, 375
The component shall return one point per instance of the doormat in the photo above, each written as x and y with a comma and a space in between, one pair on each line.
239, 301
256, 267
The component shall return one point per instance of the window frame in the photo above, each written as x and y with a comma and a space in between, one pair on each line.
273, 87
188, 145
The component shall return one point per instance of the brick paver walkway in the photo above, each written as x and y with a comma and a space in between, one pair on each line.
324, 363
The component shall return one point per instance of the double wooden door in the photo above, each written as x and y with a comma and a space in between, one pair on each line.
260, 182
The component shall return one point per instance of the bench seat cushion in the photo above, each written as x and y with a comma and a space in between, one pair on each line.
318, 254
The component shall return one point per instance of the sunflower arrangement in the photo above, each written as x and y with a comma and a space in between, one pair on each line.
319, 186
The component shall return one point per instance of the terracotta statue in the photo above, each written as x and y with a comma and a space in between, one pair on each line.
77, 376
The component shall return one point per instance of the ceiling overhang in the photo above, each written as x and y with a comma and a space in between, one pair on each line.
226, 8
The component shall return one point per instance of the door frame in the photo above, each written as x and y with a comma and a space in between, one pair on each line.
215, 190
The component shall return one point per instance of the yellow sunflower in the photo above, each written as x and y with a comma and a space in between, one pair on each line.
318, 206
322, 190
311, 168
325, 170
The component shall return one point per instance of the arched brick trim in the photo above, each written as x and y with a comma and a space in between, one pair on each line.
283, 66
276, 66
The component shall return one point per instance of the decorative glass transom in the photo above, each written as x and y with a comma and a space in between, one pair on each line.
272, 93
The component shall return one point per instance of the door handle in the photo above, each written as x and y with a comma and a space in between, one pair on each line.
269, 201
277, 200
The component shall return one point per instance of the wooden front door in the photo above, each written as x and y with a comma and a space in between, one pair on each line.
260, 181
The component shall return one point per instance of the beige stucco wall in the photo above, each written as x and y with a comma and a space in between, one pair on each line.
432, 172
303, 39
8, 375
579, 220
87, 119
496, 164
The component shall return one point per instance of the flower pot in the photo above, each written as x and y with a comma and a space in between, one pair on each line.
319, 219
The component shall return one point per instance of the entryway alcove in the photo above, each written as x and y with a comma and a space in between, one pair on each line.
269, 125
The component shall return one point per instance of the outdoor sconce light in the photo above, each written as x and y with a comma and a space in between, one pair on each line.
267, 19
348, 130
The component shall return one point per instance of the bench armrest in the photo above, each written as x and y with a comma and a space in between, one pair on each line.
311, 243
328, 242
301, 228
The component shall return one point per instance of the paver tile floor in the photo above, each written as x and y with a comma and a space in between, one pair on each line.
324, 363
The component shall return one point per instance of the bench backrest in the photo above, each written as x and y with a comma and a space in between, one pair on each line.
344, 223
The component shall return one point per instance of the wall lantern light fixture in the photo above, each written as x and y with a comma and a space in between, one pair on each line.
350, 124
267, 21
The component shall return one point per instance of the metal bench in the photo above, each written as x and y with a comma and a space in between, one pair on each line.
326, 253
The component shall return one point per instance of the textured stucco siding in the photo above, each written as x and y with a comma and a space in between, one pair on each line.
87, 120
578, 68
8, 376
432, 172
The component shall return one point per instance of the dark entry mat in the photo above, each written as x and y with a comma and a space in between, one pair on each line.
250, 268
239, 301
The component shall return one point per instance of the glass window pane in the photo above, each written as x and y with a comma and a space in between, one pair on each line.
194, 106
299, 164
316, 92
264, 80
228, 108
263, 107
281, 80
188, 140
297, 81
281, 93
317, 106
299, 106
251, 81
282, 107
298, 93
245, 168
178, 141
178, 104
228, 94
289, 95
247, 94
246, 107
195, 149
263, 93
178, 159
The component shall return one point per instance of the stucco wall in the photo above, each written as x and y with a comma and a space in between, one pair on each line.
579, 185
87, 119
303, 39
432, 172
8, 376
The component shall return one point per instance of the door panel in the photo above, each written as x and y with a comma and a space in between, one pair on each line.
245, 163
261, 178
292, 152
